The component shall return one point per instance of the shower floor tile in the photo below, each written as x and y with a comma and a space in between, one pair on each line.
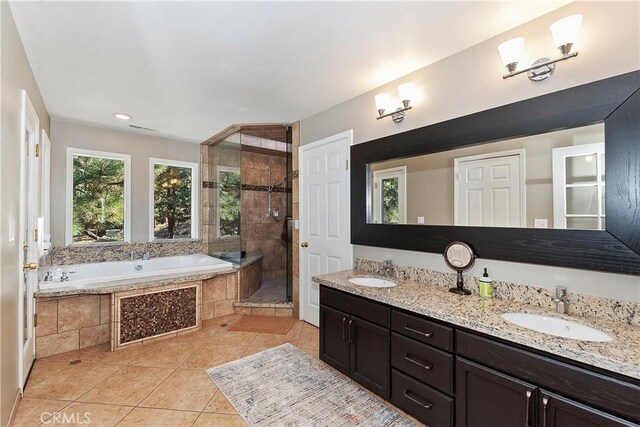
271, 291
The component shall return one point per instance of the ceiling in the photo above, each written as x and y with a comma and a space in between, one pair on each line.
190, 69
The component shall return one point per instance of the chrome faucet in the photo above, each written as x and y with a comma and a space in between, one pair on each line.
132, 255
146, 256
64, 277
561, 299
387, 267
49, 276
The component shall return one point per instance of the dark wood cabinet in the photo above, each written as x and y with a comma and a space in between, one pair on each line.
354, 346
558, 411
488, 398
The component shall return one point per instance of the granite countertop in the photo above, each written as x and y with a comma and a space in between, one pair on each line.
622, 355
132, 284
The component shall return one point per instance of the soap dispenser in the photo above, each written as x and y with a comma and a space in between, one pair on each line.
485, 285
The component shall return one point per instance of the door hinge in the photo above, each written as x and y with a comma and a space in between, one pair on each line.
35, 235
375, 185
37, 150
35, 319
346, 164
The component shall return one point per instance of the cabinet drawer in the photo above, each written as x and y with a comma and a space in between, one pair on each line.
422, 330
360, 307
418, 400
424, 363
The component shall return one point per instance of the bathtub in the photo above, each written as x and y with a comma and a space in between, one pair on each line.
105, 274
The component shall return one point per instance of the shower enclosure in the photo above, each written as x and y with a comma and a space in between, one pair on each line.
247, 199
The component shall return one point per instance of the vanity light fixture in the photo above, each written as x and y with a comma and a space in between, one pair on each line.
122, 116
406, 92
564, 32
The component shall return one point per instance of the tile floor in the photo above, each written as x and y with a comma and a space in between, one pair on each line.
272, 290
158, 384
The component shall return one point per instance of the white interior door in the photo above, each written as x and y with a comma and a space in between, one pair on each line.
29, 207
324, 216
490, 190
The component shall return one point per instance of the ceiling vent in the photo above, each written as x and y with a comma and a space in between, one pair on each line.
142, 128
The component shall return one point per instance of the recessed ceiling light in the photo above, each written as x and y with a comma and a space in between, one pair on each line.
122, 116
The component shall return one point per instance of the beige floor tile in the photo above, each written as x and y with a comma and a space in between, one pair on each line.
184, 390
219, 420
309, 337
71, 382
103, 355
210, 355
128, 386
164, 354
312, 351
91, 414
149, 417
43, 369
226, 337
220, 405
71, 356
253, 349
32, 412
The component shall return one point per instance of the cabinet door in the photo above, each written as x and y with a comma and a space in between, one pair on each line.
558, 411
334, 338
487, 398
370, 355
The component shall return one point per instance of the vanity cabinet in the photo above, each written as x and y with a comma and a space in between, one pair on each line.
356, 347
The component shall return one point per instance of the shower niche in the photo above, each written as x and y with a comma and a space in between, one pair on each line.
246, 208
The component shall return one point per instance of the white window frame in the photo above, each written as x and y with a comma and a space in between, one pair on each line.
195, 196
401, 173
71, 151
219, 169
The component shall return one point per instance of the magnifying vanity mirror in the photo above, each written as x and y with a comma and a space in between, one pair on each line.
549, 180
460, 257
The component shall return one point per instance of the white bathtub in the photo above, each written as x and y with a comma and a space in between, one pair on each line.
104, 274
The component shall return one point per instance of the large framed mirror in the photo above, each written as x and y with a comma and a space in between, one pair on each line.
551, 180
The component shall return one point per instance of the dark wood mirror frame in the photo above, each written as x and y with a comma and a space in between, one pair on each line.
614, 101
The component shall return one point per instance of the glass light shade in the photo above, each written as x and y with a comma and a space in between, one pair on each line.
406, 91
382, 101
511, 50
566, 30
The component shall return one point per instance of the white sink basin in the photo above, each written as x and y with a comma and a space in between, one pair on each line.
372, 282
558, 327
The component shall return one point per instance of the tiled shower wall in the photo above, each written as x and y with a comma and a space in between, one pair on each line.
261, 234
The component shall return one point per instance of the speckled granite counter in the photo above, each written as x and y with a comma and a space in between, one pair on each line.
622, 355
132, 284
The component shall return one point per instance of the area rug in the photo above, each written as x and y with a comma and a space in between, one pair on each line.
284, 386
263, 324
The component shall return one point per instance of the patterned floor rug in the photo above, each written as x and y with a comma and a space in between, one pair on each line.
284, 386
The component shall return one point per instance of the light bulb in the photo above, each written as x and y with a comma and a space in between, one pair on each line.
565, 31
406, 91
511, 52
382, 102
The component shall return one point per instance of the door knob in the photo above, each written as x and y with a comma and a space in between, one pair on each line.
29, 266
304, 244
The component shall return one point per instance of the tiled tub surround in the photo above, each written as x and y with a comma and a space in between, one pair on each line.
622, 355
104, 252
71, 323
577, 304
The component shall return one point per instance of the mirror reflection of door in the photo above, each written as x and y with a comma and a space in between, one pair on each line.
579, 187
490, 190
389, 196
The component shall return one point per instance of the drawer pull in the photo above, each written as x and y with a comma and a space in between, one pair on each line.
526, 421
415, 331
413, 399
344, 336
352, 334
545, 402
427, 366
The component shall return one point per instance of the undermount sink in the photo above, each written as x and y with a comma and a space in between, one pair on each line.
558, 327
372, 282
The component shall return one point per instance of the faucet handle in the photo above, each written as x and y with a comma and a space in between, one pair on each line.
561, 292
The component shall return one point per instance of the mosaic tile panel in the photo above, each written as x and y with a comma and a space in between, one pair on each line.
148, 315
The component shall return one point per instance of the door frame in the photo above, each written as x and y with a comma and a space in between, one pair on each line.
520, 152
27, 221
347, 136
401, 172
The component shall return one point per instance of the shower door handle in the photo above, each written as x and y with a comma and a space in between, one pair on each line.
304, 244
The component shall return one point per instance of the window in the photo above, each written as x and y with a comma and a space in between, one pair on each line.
98, 197
228, 206
174, 200
389, 198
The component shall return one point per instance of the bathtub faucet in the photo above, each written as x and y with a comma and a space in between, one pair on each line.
146, 256
132, 255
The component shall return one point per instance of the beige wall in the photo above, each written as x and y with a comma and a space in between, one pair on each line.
140, 147
16, 74
470, 81
430, 178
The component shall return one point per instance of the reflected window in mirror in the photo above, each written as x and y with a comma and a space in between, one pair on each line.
229, 192
174, 205
550, 180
